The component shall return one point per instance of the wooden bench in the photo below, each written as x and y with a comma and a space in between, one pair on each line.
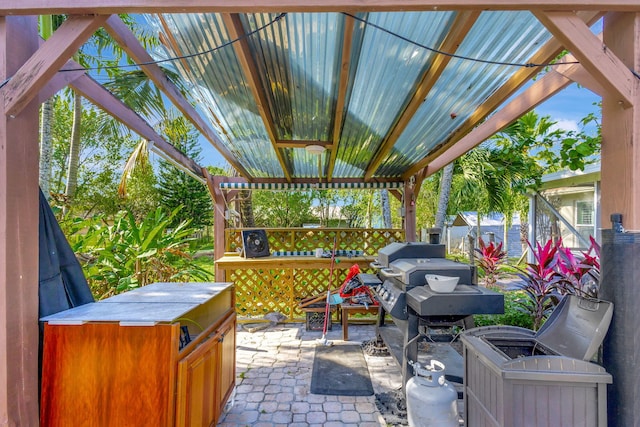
347, 308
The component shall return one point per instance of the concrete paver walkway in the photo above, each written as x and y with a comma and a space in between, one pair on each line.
273, 378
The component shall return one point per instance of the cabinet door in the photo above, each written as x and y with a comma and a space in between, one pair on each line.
227, 342
198, 393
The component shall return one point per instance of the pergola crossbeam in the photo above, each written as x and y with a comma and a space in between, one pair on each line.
101, 97
39, 7
33, 76
599, 61
459, 29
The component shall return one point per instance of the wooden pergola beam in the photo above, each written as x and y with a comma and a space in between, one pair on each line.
101, 97
546, 53
60, 80
250, 69
32, 77
459, 29
283, 143
131, 45
109, 7
592, 53
540, 91
343, 82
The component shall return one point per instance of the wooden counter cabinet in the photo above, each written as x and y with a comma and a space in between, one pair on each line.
128, 361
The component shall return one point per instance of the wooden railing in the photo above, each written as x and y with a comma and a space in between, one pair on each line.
279, 287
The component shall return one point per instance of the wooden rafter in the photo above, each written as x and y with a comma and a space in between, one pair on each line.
459, 29
545, 54
580, 75
168, 39
33, 76
544, 88
130, 44
60, 80
599, 61
283, 143
345, 64
250, 69
39, 7
101, 97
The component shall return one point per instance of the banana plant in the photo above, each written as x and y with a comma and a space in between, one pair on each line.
128, 254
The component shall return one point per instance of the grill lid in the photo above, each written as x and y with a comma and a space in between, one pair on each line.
397, 250
412, 271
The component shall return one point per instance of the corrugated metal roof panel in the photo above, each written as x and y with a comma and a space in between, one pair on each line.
388, 69
465, 84
219, 84
299, 61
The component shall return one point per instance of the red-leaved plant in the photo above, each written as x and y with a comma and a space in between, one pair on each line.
580, 277
557, 272
539, 284
490, 257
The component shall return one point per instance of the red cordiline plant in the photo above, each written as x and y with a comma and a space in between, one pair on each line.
490, 257
580, 276
539, 282
555, 273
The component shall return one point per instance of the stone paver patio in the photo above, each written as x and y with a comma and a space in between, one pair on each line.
273, 378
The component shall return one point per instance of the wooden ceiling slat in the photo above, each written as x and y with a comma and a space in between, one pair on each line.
247, 62
459, 29
40, 7
338, 117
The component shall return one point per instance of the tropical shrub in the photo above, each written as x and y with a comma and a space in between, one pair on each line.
539, 279
128, 253
513, 314
557, 272
580, 276
490, 257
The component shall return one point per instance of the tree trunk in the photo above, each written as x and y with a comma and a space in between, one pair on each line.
46, 147
386, 208
246, 209
74, 151
443, 199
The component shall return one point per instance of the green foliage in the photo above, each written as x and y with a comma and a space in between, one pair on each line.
490, 257
128, 253
282, 208
179, 189
513, 313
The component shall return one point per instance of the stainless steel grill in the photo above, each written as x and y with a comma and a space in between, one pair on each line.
415, 308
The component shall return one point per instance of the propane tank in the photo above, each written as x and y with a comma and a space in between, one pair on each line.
431, 401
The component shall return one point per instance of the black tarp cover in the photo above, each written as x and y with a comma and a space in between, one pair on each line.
62, 284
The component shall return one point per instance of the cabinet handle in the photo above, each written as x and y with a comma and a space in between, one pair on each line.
221, 338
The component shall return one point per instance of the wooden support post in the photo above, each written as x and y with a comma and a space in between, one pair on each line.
620, 250
18, 234
409, 211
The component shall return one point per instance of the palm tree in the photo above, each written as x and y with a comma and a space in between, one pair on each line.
102, 54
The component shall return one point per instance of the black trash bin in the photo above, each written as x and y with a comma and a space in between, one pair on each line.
515, 377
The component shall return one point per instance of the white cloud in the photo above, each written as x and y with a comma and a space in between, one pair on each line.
566, 124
